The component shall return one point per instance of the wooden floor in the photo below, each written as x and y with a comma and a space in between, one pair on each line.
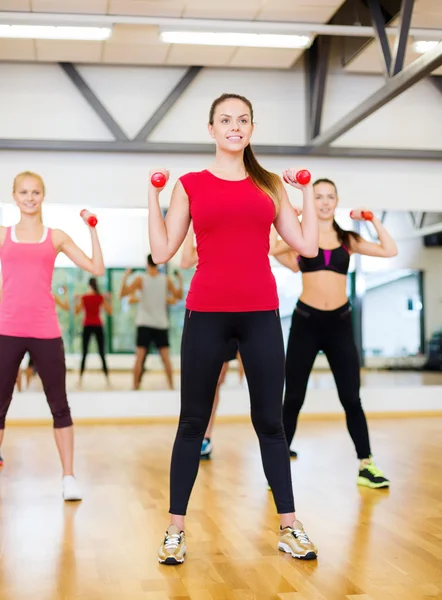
373, 545
156, 380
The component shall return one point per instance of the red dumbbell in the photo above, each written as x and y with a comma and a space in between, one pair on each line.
303, 177
92, 220
367, 215
158, 180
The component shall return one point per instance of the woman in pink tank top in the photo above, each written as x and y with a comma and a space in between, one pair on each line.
28, 319
232, 205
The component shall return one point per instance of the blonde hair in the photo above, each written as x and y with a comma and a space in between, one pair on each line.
268, 182
21, 176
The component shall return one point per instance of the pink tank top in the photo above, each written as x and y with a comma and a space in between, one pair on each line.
27, 308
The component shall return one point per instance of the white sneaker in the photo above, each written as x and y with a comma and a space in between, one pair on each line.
71, 491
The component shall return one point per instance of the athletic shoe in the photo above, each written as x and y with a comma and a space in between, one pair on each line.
293, 454
173, 548
372, 477
71, 491
295, 541
206, 449
1, 461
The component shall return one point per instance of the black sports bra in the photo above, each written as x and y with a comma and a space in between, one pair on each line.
336, 260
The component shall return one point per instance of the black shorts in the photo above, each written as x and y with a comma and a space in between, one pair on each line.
148, 335
232, 350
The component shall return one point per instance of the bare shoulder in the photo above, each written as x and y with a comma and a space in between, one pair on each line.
59, 237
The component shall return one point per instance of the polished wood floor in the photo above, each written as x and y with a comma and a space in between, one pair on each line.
321, 379
373, 545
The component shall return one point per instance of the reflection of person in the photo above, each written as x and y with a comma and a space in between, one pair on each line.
91, 303
322, 321
189, 258
154, 291
28, 319
232, 295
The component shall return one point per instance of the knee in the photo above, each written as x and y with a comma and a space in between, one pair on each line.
62, 416
352, 404
192, 427
268, 427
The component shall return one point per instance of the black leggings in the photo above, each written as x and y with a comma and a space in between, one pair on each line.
88, 332
205, 341
48, 358
331, 331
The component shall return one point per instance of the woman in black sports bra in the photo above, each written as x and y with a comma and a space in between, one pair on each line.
322, 321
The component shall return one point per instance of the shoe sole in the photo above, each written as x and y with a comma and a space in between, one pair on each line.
286, 548
171, 561
205, 457
72, 499
374, 486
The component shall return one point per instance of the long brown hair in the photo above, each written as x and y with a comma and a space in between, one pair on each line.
344, 235
266, 181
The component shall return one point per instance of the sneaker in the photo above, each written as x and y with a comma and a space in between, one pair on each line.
173, 549
293, 454
372, 477
295, 541
1, 461
206, 448
71, 491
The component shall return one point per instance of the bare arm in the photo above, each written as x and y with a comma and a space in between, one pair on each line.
65, 244
78, 305
189, 257
289, 260
167, 235
107, 304
63, 304
301, 237
386, 248
129, 290
176, 293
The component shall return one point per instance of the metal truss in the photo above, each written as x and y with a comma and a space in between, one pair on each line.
417, 70
316, 62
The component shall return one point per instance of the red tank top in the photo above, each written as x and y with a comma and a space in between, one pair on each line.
92, 304
232, 221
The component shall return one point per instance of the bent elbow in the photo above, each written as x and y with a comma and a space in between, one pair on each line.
310, 251
160, 258
98, 272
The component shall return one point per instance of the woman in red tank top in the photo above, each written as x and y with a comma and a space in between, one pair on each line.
233, 295
28, 319
91, 303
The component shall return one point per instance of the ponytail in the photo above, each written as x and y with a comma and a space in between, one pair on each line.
94, 285
268, 182
345, 236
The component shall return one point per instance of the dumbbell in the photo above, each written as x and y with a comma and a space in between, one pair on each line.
158, 180
303, 177
367, 215
91, 220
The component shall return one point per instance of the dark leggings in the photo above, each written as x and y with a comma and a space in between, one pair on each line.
88, 332
331, 331
204, 345
48, 358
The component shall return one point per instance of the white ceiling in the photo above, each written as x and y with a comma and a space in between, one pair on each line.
427, 14
140, 44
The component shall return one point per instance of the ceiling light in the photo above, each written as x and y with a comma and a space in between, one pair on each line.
422, 46
256, 40
51, 32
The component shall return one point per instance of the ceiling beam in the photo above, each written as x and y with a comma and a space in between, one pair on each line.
417, 70
93, 101
400, 45
167, 103
378, 21
196, 148
316, 62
